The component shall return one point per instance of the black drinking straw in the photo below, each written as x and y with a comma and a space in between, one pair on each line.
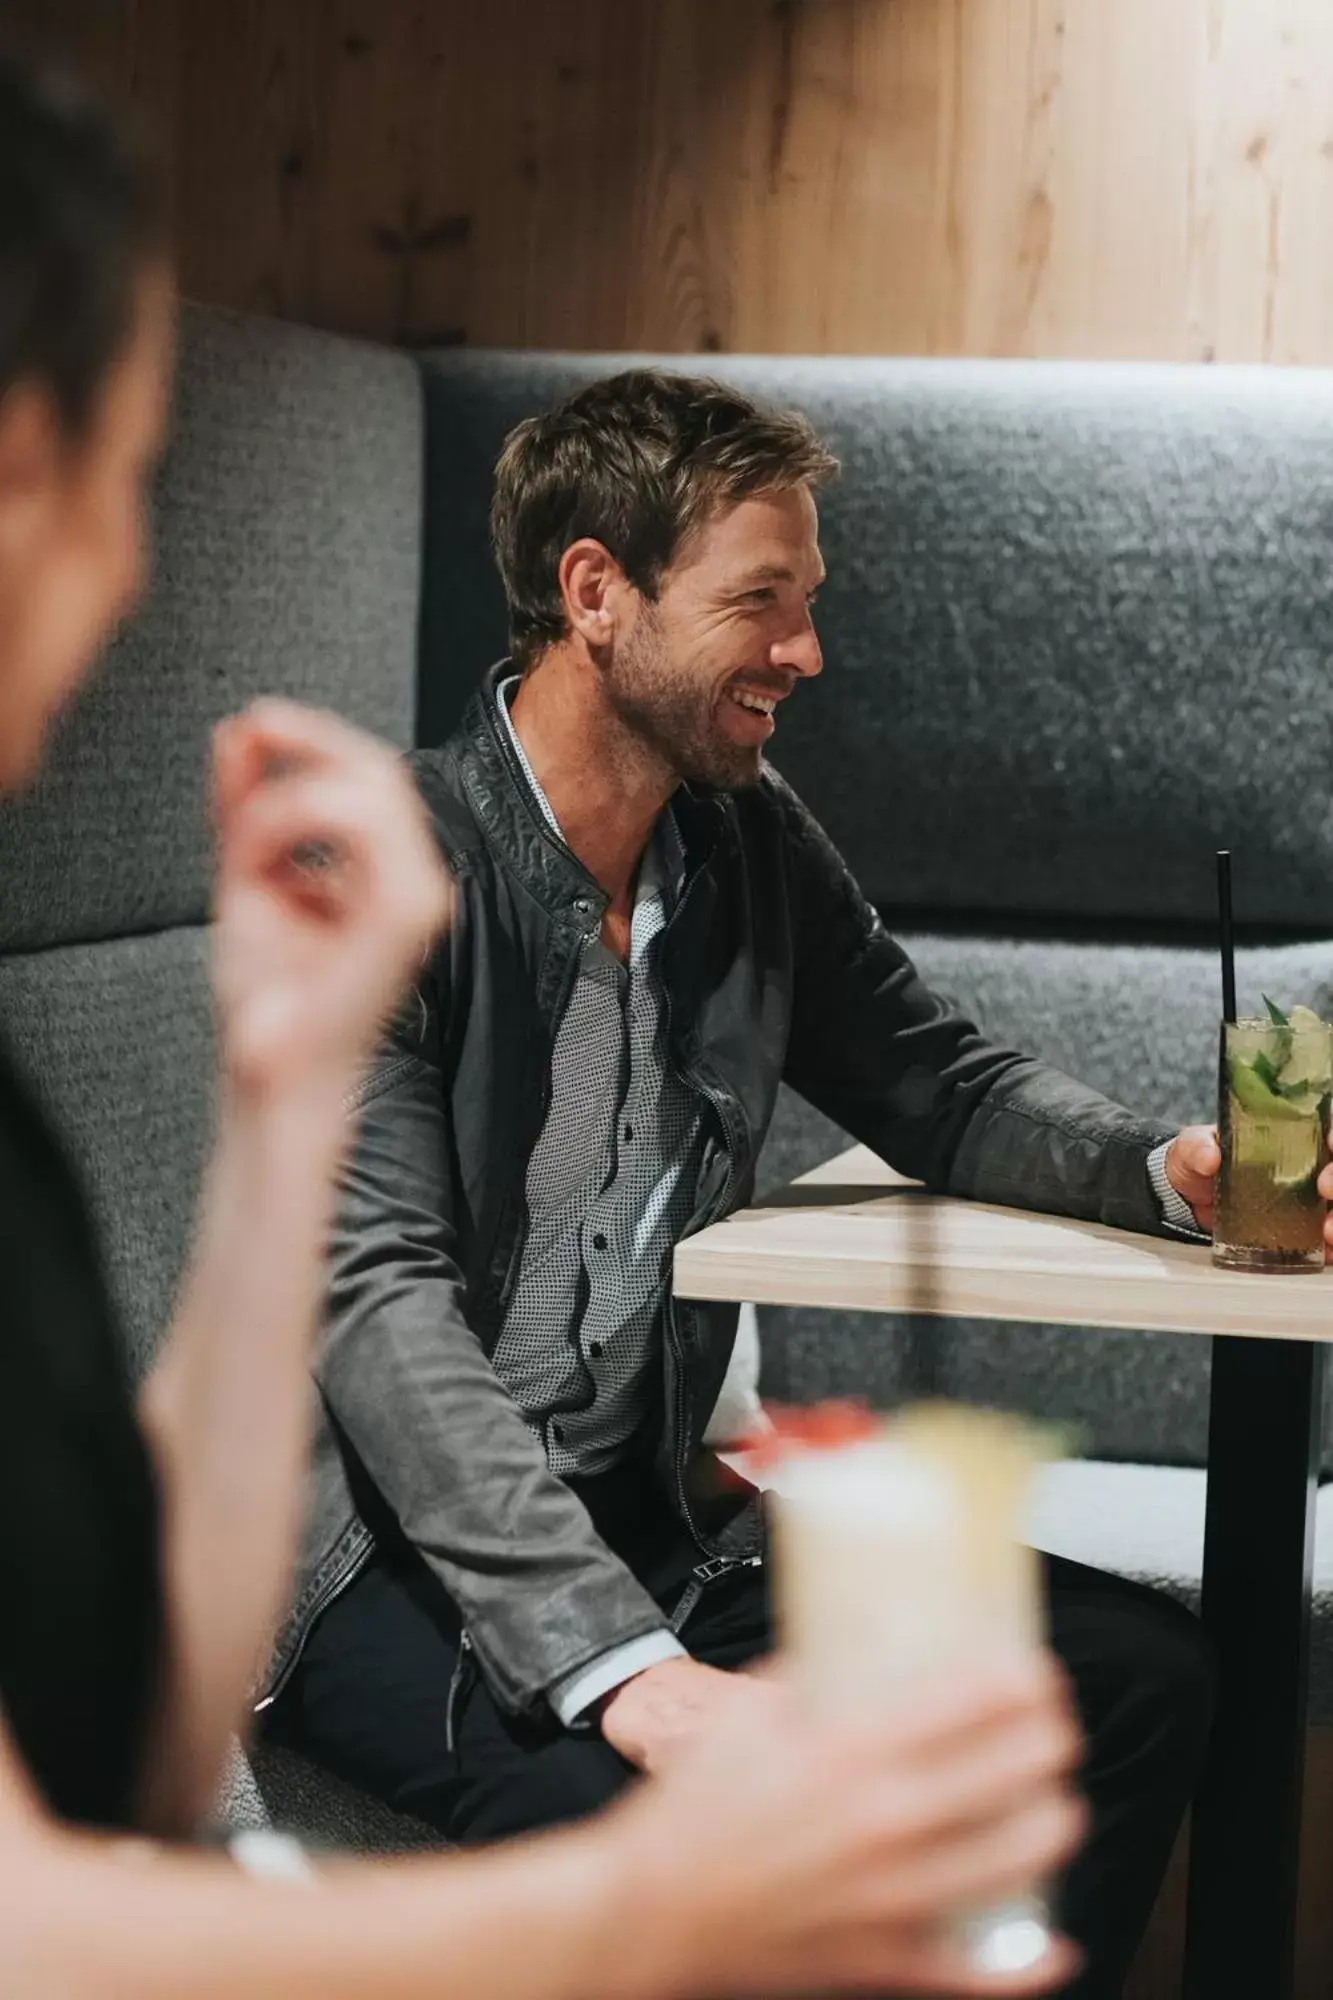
1226, 939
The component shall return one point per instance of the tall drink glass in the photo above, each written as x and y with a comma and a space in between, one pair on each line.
1276, 1079
899, 1557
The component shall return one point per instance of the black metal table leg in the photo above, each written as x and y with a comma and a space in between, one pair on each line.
1263, 1463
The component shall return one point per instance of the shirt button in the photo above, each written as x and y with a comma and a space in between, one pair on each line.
558, 1433
599, 1241
629, 1134
594, 1348
583, 906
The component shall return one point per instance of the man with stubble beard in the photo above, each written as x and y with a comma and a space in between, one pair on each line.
519, 1586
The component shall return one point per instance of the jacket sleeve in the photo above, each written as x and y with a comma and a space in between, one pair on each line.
911, 1077
415, 1396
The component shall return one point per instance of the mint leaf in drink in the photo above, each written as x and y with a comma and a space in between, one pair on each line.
1255, 1094
1266, 1072
1281, 1032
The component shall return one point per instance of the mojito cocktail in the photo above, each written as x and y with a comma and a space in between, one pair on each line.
1277, 1076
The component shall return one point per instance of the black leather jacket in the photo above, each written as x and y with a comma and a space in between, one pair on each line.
776, 969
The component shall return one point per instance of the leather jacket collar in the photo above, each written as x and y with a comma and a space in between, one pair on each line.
501, 799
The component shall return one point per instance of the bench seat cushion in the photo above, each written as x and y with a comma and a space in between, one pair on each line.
1146, 1522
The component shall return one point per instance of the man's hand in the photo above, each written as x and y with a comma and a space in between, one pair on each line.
1195, 1160
1192, 1165
651, 1719
790, 1854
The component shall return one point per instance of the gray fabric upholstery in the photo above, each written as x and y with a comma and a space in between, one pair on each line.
117, 1039
289, 528
272, 1787
300, 1798
1146, 1521
240, 1803
1076, 625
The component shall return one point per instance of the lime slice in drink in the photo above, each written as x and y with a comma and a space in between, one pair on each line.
1254, 1096
1294, 1156
1304, 1102
1285, 1149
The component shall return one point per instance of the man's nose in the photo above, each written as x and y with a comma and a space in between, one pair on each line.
800, 653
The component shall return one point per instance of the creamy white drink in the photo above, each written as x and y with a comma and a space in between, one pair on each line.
899, 1555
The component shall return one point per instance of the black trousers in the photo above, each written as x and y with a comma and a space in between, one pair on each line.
370, 1700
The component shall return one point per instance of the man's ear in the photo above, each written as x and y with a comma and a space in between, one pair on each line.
32, 448
591, 585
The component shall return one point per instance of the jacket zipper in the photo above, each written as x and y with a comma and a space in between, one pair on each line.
455, 1694
333, 1587
721, 1104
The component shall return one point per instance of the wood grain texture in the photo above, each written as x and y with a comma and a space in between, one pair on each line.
855, 1236
1106, 178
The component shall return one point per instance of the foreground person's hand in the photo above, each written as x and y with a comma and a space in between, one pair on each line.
801, 1857
330, 890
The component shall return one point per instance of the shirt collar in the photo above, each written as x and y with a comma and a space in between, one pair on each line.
662, 870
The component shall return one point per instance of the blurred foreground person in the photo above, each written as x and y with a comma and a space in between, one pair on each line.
144, 1549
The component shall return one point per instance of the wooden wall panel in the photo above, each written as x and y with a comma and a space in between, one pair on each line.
1028, 177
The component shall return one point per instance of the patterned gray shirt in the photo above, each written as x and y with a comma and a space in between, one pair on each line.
611, 1184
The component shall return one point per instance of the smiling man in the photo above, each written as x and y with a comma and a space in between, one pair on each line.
520, 1584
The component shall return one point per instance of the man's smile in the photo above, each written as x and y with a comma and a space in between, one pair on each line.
755, 722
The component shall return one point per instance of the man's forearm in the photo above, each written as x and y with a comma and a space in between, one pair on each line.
227, 1411
1040, 1140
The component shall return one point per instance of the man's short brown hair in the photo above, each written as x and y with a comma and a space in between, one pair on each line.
638, 462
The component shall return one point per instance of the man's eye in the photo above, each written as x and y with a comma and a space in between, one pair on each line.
763, 596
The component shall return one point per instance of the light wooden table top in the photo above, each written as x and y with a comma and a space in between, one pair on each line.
856, 1235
